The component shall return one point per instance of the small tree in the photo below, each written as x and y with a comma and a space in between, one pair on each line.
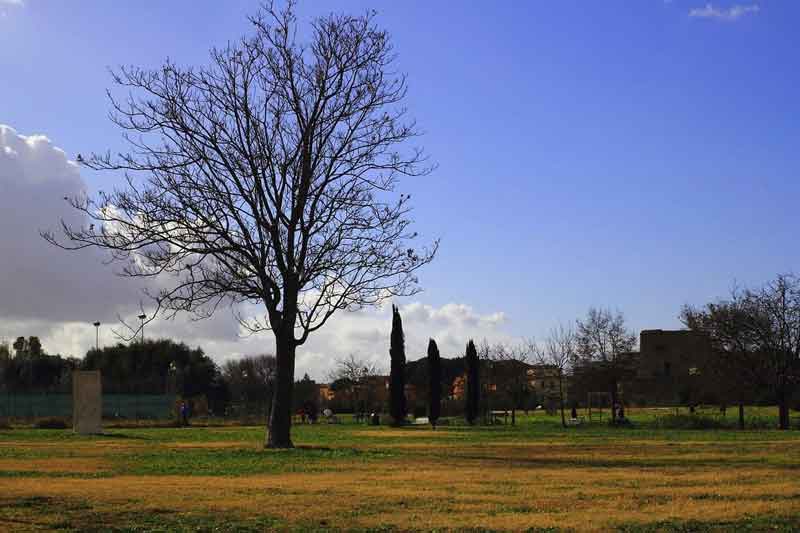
604, 346
473, 383
510, 372
350, 378
435, 387
734, 368
397, 379
558, 353
251, 381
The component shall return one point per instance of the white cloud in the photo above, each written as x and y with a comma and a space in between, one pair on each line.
366, 334
730, 14
37, 280
56, 294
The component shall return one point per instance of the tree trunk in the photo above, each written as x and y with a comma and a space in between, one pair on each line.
614, 402
741, 416
513, 416
561, 400
783, 411
280, 420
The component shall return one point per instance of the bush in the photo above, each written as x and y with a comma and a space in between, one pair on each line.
683, 421
700, 421
620, 423
760, 422
50, 423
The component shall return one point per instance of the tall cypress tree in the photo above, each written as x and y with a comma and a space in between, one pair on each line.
435, 383
397, 379
473, 383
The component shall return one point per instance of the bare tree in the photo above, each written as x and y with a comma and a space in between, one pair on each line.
604, 345
734, 368
266, 177
251, 380
351, 375
353, 368
776, 322
559, 353
509, 365
756, 335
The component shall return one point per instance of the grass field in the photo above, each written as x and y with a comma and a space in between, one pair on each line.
534, 476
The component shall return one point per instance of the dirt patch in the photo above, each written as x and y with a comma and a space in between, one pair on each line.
219, 445
76, 465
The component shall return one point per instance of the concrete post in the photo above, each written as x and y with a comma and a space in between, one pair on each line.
87, 402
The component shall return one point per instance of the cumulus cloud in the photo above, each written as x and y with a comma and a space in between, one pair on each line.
366, 334
56, 294
37, 280
709, 11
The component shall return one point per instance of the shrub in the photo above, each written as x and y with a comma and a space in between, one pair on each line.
760, 422
701, 421
683, 421
620, 423
50, 423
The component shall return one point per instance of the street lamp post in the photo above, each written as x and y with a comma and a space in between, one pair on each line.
96, 335
142, 317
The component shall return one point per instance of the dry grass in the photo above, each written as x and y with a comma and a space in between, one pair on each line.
75, 465
435, 496
430, 483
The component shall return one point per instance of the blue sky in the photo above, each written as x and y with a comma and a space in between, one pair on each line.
617, 153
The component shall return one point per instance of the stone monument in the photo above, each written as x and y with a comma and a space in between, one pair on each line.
87, 402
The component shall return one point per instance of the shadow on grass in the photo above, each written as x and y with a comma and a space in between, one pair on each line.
748, 523
126, 436
72, 514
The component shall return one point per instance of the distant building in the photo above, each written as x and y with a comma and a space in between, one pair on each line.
326, 394
499, 376
543, 380
667, 370
670, 365
369, 395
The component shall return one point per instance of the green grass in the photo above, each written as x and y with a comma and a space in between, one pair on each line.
535, 475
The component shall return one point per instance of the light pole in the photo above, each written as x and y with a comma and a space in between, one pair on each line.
97, 335
142, 317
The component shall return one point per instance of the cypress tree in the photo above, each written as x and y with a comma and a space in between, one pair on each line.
397, 378
473, 383
435, 383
